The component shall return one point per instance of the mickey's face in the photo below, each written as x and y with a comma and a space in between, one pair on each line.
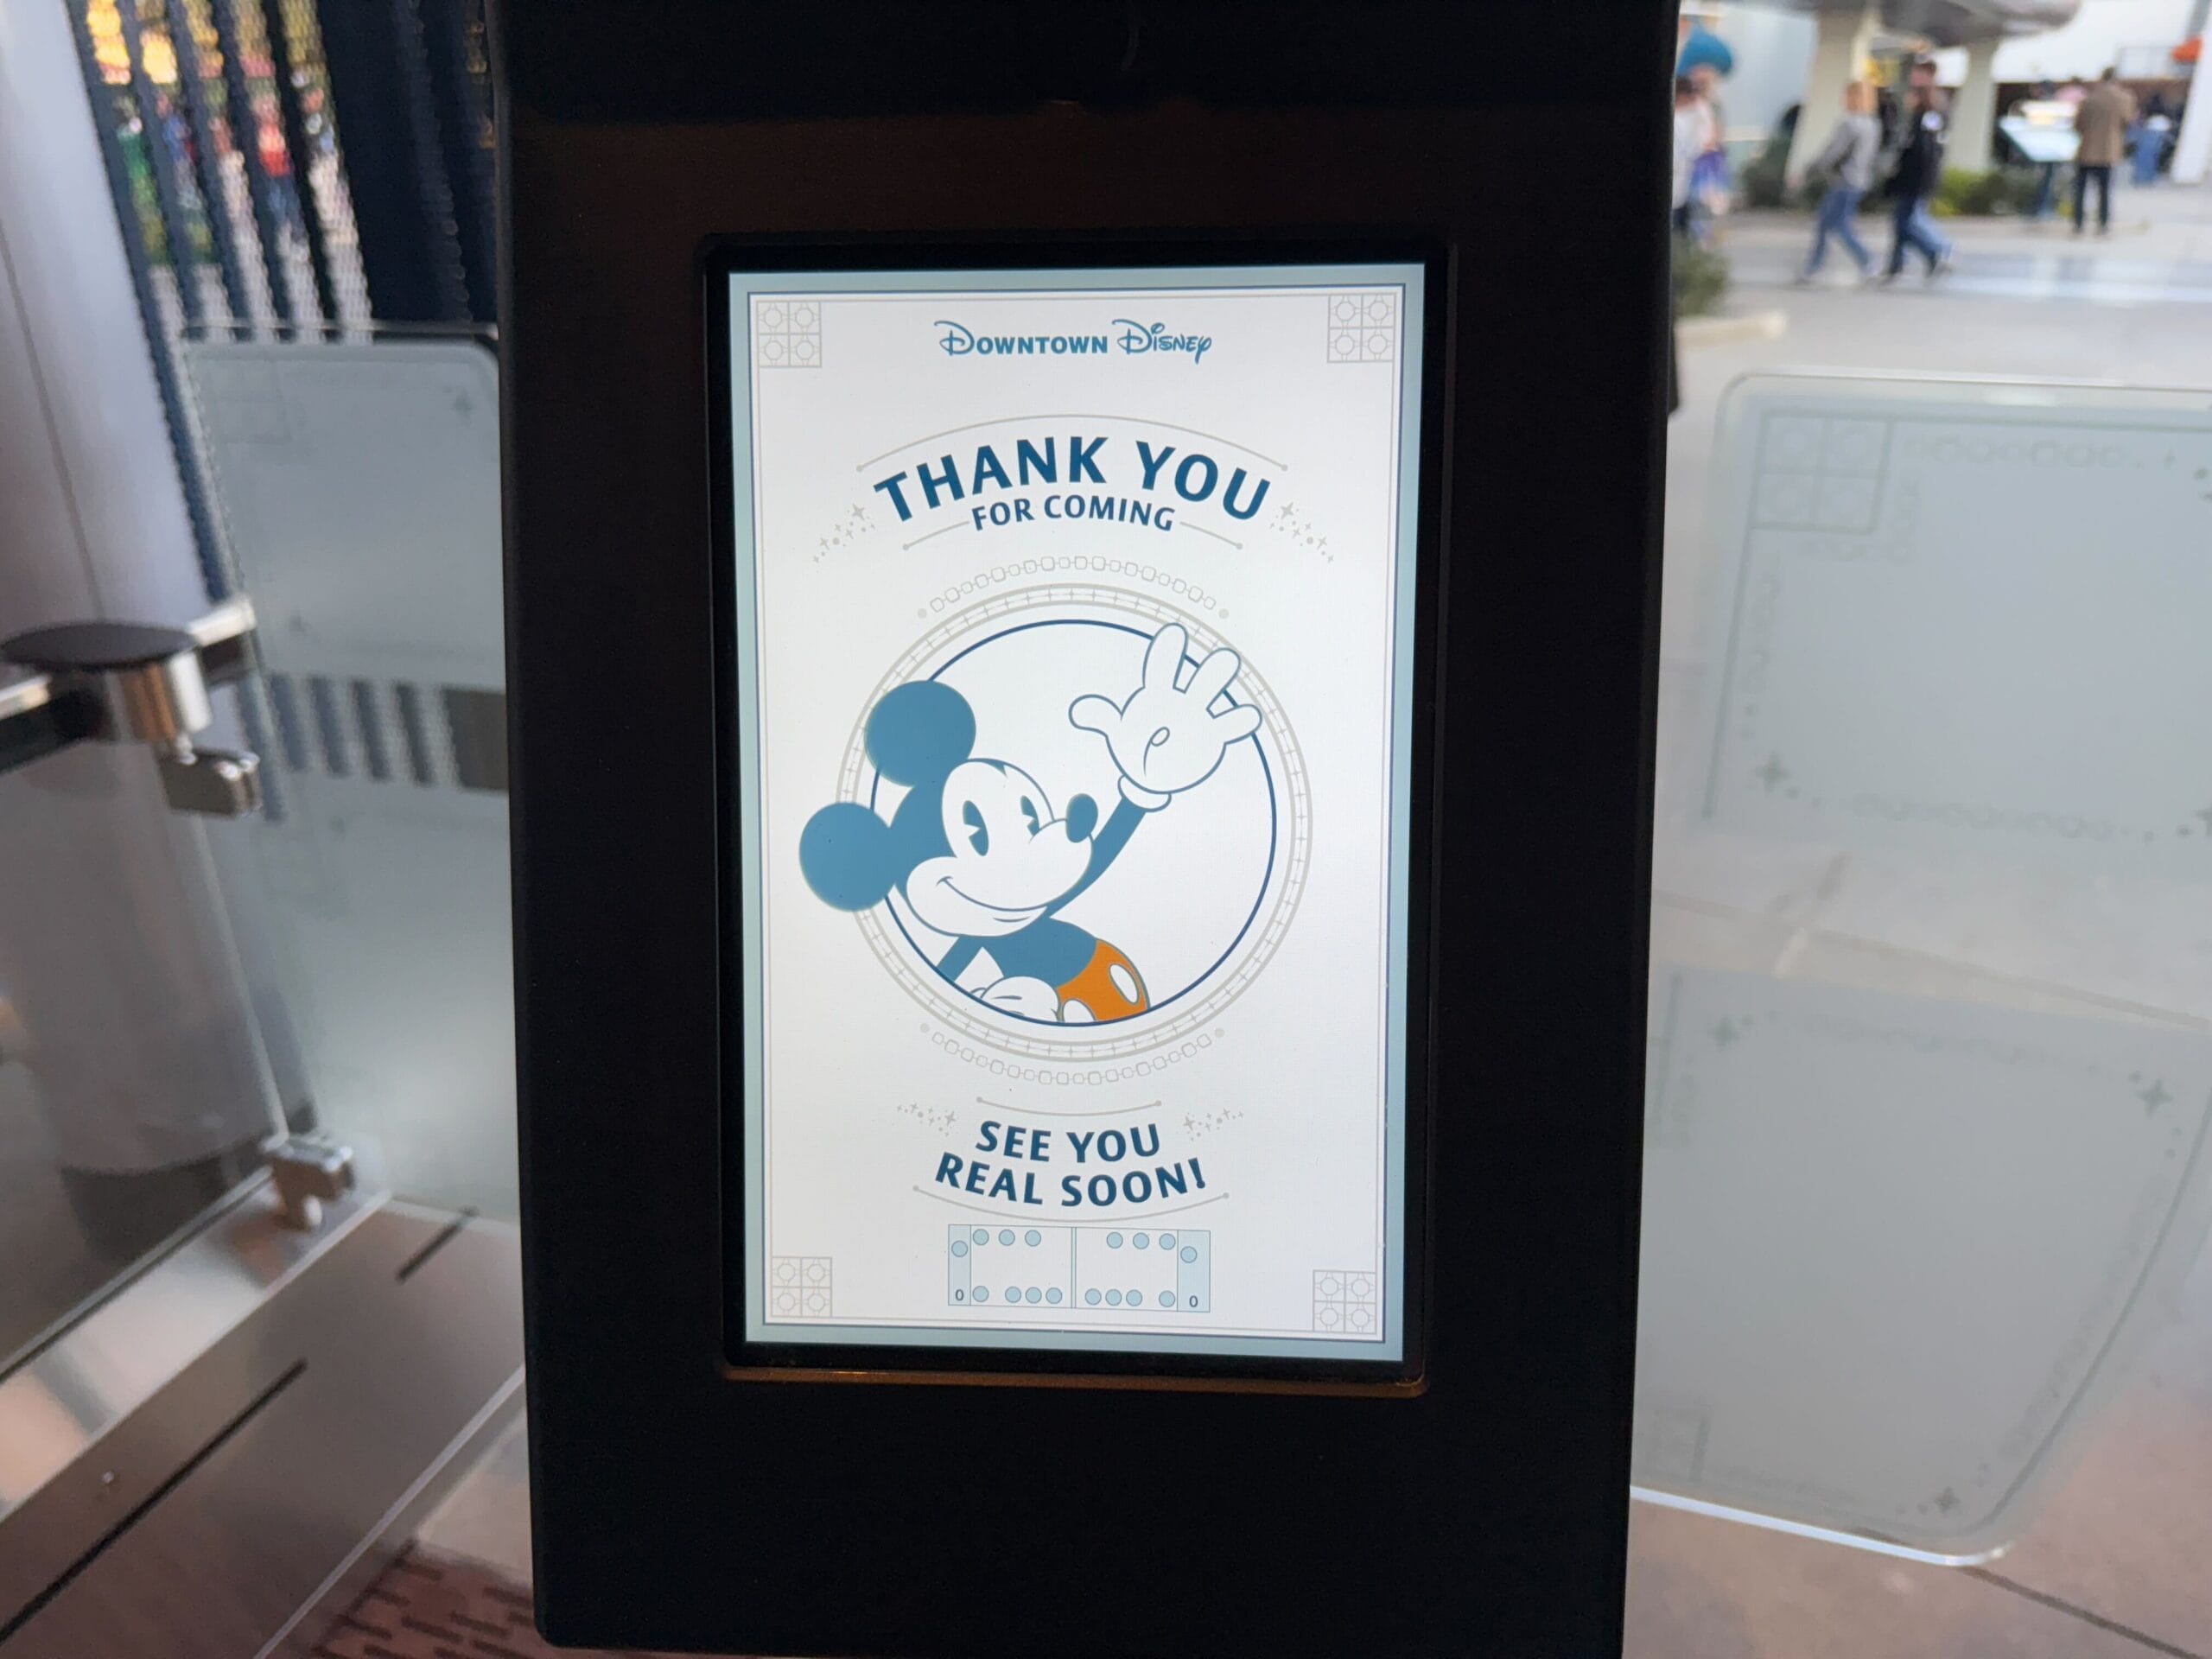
1011, 857
974, 846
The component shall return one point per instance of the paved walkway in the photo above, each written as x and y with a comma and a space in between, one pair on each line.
2159, 252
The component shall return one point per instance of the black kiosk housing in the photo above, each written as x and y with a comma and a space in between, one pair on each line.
696, 1487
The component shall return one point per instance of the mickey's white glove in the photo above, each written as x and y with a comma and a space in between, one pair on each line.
1167, 737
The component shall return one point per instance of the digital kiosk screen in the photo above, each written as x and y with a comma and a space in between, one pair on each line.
1070, 623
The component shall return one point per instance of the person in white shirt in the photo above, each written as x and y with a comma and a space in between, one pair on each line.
1694, 135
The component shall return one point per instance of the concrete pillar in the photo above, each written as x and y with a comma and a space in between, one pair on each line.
1840, 47
1974, 111
2194, 149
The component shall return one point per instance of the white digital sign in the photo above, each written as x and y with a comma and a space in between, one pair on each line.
1070, 627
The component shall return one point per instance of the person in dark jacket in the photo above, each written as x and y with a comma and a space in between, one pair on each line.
1918, 170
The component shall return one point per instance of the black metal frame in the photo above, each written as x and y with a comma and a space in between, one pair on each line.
679, 1507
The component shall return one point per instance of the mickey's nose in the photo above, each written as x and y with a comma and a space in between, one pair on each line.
1083, 817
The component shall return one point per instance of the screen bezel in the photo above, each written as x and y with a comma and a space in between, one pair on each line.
723, 256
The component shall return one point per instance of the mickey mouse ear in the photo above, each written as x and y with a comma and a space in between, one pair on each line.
845, 853
920, 732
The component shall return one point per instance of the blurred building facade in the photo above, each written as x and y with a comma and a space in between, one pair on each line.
1800, 53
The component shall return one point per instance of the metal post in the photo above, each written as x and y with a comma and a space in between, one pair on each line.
245, 138
153, 132
208, 163
300, 148
433, 188
401, 205
449, 28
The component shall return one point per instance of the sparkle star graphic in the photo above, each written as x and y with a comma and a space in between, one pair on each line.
2155, 1096
1726, 1032
1771, 773
1947, 1500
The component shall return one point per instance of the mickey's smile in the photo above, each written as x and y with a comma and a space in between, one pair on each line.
998, 912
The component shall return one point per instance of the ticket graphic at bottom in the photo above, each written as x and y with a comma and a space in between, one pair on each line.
1161, 1269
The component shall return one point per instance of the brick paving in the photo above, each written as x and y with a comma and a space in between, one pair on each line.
425, 1606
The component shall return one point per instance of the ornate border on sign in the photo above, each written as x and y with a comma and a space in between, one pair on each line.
801, 1287
786, 332
1192, 1023
1363, 327
1084, 564
1344, 1300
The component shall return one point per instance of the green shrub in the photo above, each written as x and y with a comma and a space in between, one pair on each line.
1999, 191
1701, 278
1763, 181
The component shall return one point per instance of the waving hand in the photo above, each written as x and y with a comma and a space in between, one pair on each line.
1166, 737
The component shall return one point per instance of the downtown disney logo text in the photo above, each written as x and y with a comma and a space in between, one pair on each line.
1128, 338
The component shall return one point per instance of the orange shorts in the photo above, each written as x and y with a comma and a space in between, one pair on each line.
1108, 988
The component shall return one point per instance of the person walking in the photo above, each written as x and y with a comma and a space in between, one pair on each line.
1847, 164
1709, 179
1694, 130
2102, 121
2046, 200
1919, 169
2152, 133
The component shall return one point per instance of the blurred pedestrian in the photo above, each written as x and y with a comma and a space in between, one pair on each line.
1709, 178
276, 167
1692, 138
2046, 172
2151, 136
1846, 167
1918, 172
2102, 121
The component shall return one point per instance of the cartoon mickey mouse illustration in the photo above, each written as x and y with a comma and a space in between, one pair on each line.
975, 850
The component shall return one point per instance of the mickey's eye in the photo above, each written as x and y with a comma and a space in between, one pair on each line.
1029, 811
972, 816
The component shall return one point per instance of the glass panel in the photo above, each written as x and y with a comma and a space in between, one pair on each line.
136, 1084
168, 987
356, 483
1926, 1191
